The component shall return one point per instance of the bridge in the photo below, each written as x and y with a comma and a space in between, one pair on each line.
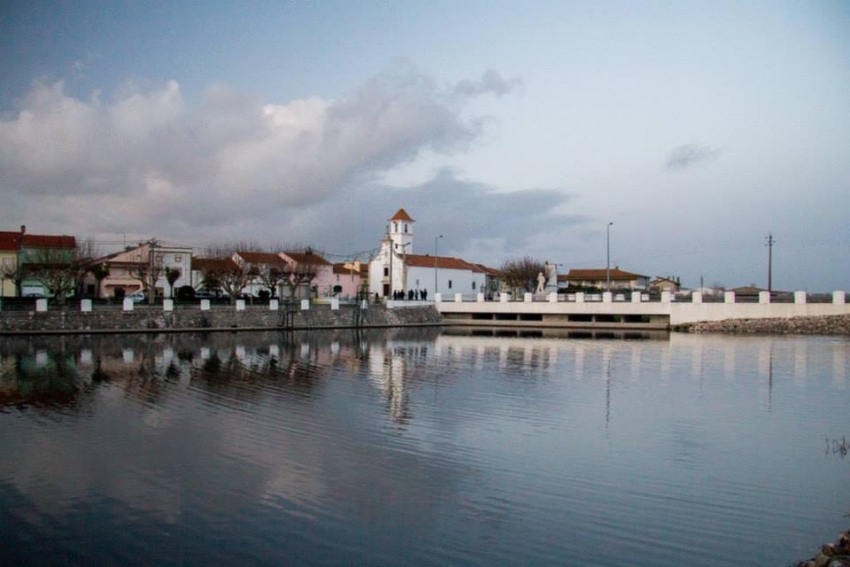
630, 311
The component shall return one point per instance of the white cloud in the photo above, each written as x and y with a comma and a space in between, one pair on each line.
155, 161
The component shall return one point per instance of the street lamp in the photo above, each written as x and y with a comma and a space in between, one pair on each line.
608, 256
436, 267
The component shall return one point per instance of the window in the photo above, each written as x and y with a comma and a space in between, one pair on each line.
8, 263
395, 227
386, 271
450, 284
178, 258
159, 258
473, 285
405, 227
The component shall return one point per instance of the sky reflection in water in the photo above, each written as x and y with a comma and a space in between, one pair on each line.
420, 448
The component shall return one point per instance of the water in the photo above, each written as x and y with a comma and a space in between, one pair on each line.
419, 448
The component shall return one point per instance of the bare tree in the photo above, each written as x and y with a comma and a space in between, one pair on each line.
60, 270
301, 270
520, 273
222, 271
171, 276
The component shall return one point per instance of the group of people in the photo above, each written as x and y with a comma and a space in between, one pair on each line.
411, 295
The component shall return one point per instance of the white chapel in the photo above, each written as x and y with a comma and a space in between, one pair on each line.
396, 268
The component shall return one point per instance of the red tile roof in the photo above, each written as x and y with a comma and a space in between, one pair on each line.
10, 241
402, 215
340, 268
212, 264
48, 241
443, 262
262, 258
307, 258
616, 274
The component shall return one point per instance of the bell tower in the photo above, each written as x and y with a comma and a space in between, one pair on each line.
401, 232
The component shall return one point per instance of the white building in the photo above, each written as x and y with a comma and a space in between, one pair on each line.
397, 268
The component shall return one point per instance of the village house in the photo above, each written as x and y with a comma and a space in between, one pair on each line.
671, 284
597, 280
347, 280
151, 262
41, 249
10, 247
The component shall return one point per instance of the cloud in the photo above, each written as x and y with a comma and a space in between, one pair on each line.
478, 222
491, 82
148, 161
685, 156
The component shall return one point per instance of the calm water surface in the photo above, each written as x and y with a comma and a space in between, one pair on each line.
421, 448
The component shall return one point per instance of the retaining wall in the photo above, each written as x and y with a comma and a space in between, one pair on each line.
142, 319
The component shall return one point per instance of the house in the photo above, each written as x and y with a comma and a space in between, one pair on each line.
396, 268
268, 272
10, 248
145, 267
310, 275
42, 249
347, 280
660, 284
597, 279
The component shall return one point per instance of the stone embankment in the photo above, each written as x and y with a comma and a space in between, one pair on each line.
155, 319
831, 554
830, 325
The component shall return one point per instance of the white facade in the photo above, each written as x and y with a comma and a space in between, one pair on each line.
397, 268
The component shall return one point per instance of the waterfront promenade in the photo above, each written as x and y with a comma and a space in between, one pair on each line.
637, 310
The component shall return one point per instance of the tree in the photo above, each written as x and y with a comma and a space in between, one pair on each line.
301, 269
171, 276
100, 270
60, 270
520, 273
222, 271
272, 276
11, 270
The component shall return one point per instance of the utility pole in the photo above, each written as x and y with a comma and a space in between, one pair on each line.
770, 243
608, 256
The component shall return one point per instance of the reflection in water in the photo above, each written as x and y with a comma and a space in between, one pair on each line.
417, 447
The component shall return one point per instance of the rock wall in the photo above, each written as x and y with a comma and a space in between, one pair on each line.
829, 325
144, 319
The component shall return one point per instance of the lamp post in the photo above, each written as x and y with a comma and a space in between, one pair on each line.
608, 256
436, 267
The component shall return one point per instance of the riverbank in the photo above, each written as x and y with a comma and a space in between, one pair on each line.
832, 554
827, 325
143, 319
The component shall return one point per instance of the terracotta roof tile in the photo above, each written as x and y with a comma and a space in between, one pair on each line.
306, 258
401, 215
616, 274
443, 262
261, 258
10, 241
48, 241
340, 268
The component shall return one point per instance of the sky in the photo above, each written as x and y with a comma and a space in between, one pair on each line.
511, 128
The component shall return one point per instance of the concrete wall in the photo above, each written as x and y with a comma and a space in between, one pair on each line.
678, 313
144, 318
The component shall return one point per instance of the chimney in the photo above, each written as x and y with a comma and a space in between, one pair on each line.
23, 229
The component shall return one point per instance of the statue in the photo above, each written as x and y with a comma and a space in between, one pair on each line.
541, 282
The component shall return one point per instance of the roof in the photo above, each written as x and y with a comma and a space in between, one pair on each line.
442, 262
402, 215
212, 264
747, 290
600, 275
261, 258
48, 241
10, 241
489, 271
340, 268
306, 258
